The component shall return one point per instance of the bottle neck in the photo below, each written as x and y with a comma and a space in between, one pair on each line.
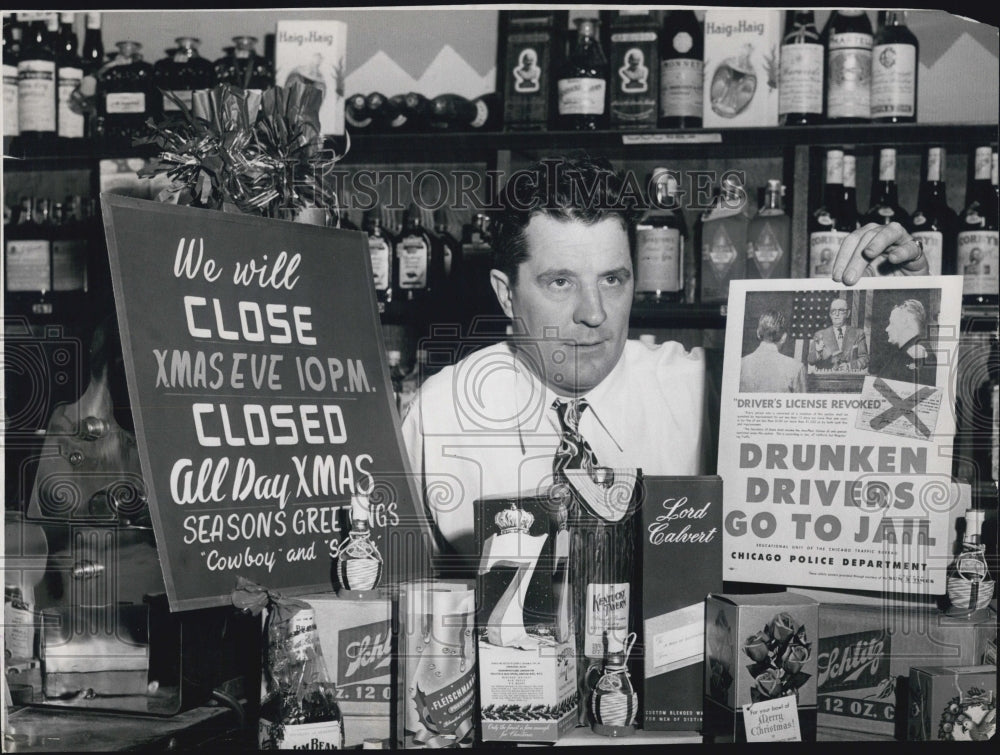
894, 18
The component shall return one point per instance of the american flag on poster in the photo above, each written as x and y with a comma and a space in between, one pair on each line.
811, 311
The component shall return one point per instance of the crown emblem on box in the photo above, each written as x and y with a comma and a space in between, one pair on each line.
514, 520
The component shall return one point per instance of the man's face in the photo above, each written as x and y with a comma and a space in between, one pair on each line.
838, 313
573, 295
900, 328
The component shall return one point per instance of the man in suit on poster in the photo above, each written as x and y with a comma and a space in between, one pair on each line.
840, 347
767, 370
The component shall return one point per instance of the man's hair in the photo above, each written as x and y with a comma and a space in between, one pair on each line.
916, 310
771, 326
564, 188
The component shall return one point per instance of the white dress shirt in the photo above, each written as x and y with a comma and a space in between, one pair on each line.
486, 426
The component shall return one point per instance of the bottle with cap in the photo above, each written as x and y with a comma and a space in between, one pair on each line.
359, 563
244, 67
583, 82
380, 247
769, 237
660, 240
181, 73
126, 95
722, 246
969, 583
613, 701
977, 246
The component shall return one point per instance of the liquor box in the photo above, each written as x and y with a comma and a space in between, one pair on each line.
681, 535
952, 704
532, 43
866, 652
313, 53
635, 70
358, 646
527, 646
742, 47
758, 647
436, 696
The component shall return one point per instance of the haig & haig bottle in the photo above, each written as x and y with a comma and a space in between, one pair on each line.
359, 563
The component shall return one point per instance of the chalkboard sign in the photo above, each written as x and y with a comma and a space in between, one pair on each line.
261, 398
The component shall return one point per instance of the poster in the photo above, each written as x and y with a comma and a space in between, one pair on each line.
261, 399
836, 429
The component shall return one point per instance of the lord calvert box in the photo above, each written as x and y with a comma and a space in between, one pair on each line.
953, 704
865, 656
525, 638
681, 544
358, 646
758, 647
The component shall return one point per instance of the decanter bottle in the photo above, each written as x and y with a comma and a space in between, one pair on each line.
359, 564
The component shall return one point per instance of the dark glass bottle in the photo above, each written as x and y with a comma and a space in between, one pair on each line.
769, 236
722, 242
848, 220
800, 81
451, 112
69, 75
417, 111
885, 193
382, 111
69, 249
356, 112
635, 69
93, 46
660, 239
976, 242
682, 71
380, 245
895, 58
36, 87
126, 95
243, 67
451, 248
848, 67
401, 121
28, 254
933, 222
824, 235
583, 82
417, 259
181, 73
11, 54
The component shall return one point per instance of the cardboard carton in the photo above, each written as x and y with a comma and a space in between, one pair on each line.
953, 704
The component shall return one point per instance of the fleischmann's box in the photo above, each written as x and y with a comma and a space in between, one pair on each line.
953, 704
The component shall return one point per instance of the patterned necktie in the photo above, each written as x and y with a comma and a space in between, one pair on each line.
840, 337
573, 452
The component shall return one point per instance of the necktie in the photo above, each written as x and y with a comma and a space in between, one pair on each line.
574, 452
840, 337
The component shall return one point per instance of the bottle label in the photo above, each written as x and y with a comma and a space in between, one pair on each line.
635, 85
184, 95
70, 123
607, 614
659, 259
10, 117
36, 95
894, 81
581, 96
125, 102
28, 265
823, 248
413, 256
381, 269
935, 156
800, 83
982, 163
321, 735
933, 245
978, 260
69, 265
681, 81
834, 166
850, 171
766, 251
721, 252
887, 165
849, 76
482, 113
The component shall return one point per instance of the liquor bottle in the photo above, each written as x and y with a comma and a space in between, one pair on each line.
885, 203
356, 112
27, 255
11, 53
583, 82
660, 238
416, 260
451, 112
895, 56
126, 95
977, 249
69, 75
243, 67
36, 86
824, 236
359, 563
382, 111
451, 248
933, 221
614, 702
635, 69
182, 72
969, 583
69, 250
723, 241
533, 41
800, 80
380, 247
393, 357
682, 71
473, 289
400, 122
93, 45
847, 220
417, 111
769, 237
848, 66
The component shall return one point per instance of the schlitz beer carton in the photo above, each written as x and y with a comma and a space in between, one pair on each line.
866, 652
952, 704
525, 629
635, 69
758, 648
532, 46
741, 67
358, 645
313, 53
437, 664
681, 534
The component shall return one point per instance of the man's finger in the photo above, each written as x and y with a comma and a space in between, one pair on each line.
890, 240
851, 247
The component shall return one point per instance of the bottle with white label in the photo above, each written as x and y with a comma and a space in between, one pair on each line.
933, 221
977, 252
895, 57
800, 78
848, 67
824, 237
682, 71
582, 88
11, 53
126, 95
181, 73
885, 206
660, 238
69, 76
380, 246
416, 260
36, 85
27, 255
768, 237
